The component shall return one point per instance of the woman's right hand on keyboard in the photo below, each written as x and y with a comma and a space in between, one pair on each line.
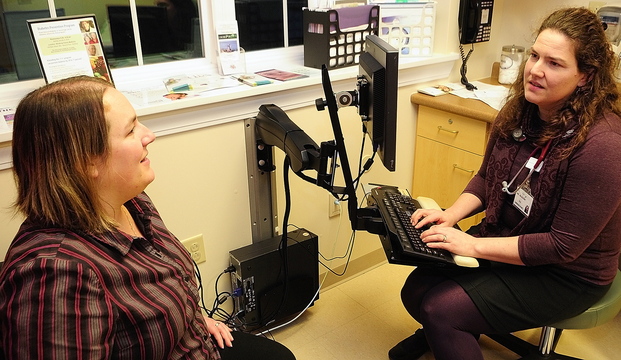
466, 205
427, 217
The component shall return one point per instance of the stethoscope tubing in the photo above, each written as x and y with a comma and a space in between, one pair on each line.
544, 152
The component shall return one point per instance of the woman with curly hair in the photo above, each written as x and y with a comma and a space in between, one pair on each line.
550, 186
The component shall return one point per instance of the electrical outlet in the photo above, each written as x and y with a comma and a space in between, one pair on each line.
334, 208
364, 161
196, 247
596, 5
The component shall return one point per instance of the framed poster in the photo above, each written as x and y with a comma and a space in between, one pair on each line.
69, 46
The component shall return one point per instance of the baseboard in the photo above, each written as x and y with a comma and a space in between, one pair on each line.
355, 268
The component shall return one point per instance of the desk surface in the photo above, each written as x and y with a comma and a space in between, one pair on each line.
467, 107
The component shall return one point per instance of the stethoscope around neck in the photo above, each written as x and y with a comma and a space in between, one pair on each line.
544, 152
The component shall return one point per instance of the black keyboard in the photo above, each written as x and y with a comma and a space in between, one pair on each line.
396, 210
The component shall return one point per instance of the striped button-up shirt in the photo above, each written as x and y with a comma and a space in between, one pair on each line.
68, 295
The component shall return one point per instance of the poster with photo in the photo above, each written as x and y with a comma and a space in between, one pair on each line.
69, 46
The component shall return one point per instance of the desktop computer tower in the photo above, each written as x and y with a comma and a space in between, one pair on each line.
264, 292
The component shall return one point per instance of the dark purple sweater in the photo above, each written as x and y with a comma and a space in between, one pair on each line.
575, 220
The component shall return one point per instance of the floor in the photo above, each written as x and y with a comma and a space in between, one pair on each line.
362, 318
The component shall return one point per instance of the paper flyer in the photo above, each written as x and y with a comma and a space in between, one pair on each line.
184, 83
69, 46
280, 75
441, 89
6, 118
154, 92
230, 55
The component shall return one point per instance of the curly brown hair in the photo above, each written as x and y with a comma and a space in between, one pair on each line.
588, 103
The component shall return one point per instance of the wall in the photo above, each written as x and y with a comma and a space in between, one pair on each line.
520, 28
8, 221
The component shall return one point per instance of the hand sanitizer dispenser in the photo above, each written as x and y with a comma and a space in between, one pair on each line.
611, 18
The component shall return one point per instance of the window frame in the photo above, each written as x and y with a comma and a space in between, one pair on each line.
209, 11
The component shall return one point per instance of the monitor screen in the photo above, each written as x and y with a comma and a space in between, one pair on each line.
379, 70
155, 33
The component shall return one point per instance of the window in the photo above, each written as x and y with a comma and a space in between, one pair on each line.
267, 24
263, 24
169, 30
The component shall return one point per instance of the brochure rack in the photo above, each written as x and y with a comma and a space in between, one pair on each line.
329, 40
409, 27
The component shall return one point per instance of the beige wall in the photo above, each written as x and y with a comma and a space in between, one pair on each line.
8, 222
201, 187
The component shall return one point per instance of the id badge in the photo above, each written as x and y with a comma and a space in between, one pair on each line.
530, 164
523, 200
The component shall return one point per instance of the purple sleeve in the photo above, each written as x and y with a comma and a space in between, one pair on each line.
588, 216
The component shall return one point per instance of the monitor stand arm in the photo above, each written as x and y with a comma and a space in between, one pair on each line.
260, 165
367, 219
261, 182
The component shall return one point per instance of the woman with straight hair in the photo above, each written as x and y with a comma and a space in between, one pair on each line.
93, 272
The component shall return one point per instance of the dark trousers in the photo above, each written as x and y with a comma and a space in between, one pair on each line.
252, 347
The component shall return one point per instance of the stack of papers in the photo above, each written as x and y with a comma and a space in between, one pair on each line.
493, 95
441, 89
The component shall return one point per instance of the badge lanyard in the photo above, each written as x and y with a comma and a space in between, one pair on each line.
535, 167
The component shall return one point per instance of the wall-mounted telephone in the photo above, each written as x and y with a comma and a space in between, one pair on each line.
475, 20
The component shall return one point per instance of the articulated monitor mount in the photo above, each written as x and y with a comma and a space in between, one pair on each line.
272, 127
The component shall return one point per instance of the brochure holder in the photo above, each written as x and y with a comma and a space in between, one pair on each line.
231, 57
336, 37
409, 27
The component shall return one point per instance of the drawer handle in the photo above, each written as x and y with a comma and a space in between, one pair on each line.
440, 128
457, 167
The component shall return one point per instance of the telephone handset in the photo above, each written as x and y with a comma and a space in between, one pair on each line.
475, 20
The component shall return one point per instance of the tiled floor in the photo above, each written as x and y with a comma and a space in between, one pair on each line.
363, 318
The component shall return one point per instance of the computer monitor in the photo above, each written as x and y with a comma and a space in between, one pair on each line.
155, 33
377, 104
376, 99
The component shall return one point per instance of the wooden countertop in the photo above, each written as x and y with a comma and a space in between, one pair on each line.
471, 108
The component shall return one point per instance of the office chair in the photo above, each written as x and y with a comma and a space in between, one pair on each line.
601, 312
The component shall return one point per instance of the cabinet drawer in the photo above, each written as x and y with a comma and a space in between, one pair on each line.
452, 129
442, 172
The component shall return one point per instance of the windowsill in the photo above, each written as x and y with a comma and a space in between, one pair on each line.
290, 59
234, 103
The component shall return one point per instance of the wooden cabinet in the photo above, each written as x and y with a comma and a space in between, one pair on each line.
449, 151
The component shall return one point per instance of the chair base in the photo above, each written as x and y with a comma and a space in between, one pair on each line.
528, 351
